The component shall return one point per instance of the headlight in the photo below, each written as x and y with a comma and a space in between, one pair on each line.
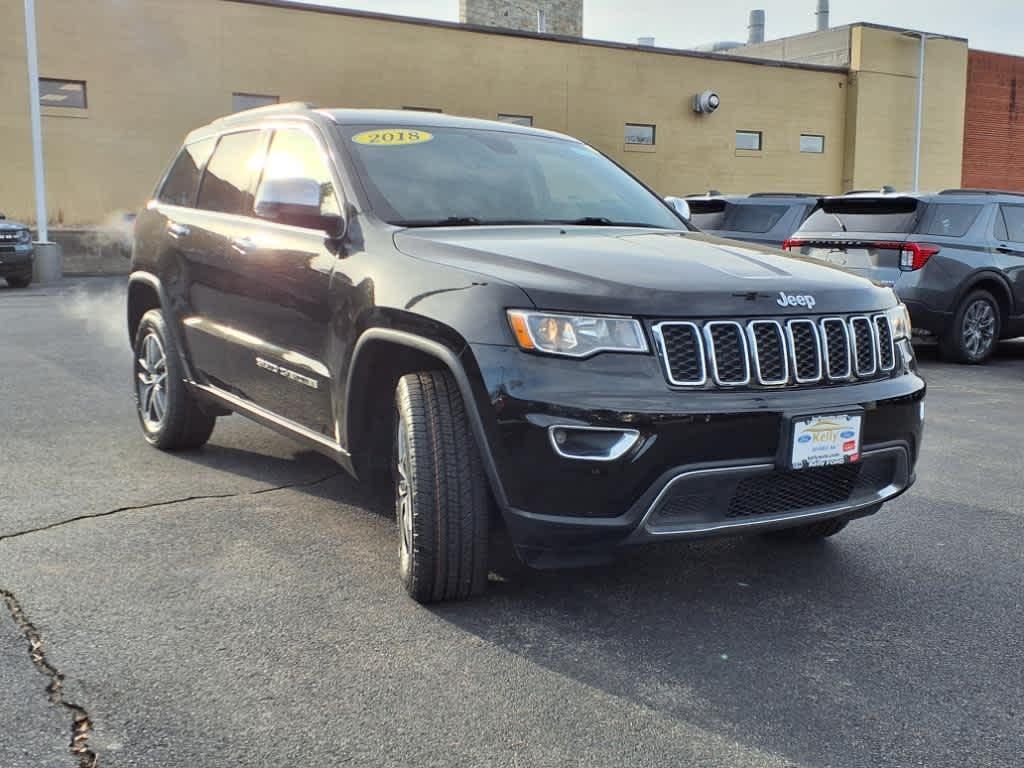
575, 335
899, 319
24, 236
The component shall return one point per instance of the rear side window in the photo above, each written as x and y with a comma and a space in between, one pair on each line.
707, 214
1013, 218
756, 219
228, 180
948, 220
881, 215
182, 180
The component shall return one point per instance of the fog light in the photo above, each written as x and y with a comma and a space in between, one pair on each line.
592, 443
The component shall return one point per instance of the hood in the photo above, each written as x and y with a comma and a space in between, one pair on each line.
7, 225
643, 272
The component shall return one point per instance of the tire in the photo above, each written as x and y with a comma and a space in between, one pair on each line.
442, 500
171, 418
812, 531
974, 331
19, 281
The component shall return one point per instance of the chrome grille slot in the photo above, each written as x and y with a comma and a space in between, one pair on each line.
768, 349
835, 340
727, 349
885, 343
805, 351
682, 353
864, 347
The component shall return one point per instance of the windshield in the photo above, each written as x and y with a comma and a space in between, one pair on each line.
460, 176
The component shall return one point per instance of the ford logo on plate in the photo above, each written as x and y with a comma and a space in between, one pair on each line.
804, 439
847, 434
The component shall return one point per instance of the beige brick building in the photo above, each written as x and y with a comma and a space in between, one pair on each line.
123, 82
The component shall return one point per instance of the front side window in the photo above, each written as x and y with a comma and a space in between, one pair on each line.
296, 155
423, 177
229, 176
1013, 219
182, 180
54, 92
948, 219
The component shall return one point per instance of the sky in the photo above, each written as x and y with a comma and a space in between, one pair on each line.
992, 25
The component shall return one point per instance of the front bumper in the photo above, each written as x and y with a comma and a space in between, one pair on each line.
16, 260
699, 455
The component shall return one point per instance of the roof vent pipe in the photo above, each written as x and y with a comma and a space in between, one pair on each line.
821, 15
755, 29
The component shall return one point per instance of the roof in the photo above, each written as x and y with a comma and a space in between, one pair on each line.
297, 5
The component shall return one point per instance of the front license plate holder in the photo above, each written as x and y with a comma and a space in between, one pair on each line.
824, 440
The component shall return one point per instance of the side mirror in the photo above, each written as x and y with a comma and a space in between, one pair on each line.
680, 206
294, 201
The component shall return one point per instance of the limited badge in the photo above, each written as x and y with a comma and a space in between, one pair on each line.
392, 137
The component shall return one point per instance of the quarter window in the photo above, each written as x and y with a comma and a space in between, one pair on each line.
640, 133
228, 179
812, 143
182, 180
948, 220
243, 101
296, 155
750, 140
1013, 218
516, 119
62, 93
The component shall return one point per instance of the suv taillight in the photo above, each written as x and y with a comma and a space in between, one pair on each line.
913, 256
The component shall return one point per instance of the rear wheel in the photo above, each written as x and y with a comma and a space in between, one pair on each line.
19, 281
441, 497
974, 332
171, 418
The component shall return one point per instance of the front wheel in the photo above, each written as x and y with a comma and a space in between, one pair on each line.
442, 500
20, 281
171, 418
974, 331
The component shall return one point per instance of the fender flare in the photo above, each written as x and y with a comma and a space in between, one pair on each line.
154, 282
451, 361
971, 283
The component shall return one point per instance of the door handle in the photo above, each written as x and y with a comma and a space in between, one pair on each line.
1006, 249
242, 245
176, 230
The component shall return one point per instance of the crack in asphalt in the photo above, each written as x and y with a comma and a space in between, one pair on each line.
168, 503
81, 723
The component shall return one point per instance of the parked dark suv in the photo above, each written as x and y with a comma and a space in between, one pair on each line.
956, 258
514, 332
767, 218
16, 253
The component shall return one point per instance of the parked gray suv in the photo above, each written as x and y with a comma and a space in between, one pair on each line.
767, 218
956, 259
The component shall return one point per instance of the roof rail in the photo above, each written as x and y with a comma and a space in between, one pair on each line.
783, 194
270, 109
980, 192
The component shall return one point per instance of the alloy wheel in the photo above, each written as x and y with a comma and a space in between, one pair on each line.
403, 495
151, 373
979, 328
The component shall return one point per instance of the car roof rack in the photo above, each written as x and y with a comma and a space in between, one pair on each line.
270, 109
981, 192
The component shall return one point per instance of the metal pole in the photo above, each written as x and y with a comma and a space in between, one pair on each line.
37, 134
917, 129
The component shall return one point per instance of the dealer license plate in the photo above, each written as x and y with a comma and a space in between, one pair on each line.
820, 441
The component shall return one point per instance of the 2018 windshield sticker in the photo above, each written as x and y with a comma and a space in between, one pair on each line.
392, 137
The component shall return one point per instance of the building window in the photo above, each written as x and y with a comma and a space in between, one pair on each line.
62, 93
812, 143
639, 133
516, 119
750, 140
243, 101
423, 109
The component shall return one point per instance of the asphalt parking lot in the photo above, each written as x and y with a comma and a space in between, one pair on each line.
239, 606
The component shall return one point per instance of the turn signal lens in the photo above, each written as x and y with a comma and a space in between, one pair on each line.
575, 335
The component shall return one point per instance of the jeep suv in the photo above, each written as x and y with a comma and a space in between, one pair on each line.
767, 218
956, 258
516, 334
16, 253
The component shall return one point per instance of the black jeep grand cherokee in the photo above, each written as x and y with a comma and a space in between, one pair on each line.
517, 332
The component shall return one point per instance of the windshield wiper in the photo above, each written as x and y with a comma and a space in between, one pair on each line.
451, 221
603, 221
